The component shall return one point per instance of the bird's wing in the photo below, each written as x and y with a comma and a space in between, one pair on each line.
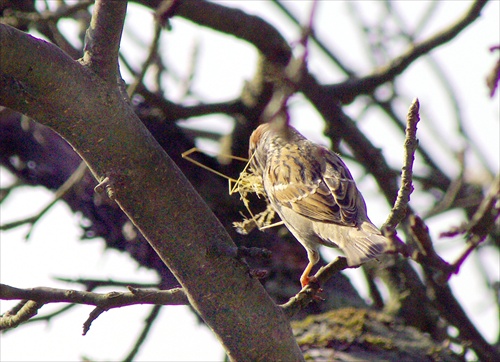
317, 185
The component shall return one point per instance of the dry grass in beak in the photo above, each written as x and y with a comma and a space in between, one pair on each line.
248, 183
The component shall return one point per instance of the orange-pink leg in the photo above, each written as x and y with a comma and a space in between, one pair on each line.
304, 279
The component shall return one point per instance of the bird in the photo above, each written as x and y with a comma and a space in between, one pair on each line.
315, 195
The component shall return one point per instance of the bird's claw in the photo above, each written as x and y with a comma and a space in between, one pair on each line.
314, 288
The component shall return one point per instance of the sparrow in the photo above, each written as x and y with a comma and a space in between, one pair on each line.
315, 195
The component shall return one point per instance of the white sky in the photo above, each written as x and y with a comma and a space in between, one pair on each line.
54, 249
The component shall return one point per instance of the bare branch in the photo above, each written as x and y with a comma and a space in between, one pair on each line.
61, 191
96, 312
477, 228
425, 253
238, 23
49, 316
488, 211
155, 311
310, 292
366, 85
451, 310
480, 224
152, 54
45, 16
21, 313
315, 39
97, 121
35, 298
91, 284
103, 38
494, 76
110, 300
46, 23
438, 272
398, 212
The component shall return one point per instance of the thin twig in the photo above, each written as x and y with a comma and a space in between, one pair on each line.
22, 312
96, 312
153, 53
399, 209
75, 177
91, 284
493, 76
451, 193
438, 178
155, 312
47, 15
5, 191
289, 78
366, 85
49, 316
187, 83
316, 40
481, 223
478, 228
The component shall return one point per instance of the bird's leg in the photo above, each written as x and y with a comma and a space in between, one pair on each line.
313, 257
304, 279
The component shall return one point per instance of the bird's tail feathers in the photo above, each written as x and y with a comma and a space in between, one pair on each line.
359, 244
364, 243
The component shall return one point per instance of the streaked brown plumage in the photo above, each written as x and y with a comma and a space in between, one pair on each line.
315, 195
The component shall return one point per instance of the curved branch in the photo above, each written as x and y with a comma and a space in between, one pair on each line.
39, 80
330, 55
235, 22
46, 22
175, 112
19, 314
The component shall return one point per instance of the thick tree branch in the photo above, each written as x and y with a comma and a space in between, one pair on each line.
150, 189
